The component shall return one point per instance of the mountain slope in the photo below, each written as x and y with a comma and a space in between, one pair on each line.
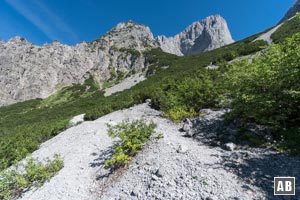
174, 166
21, 123
286, 29
209, 34
28, 71
291, 12
172, 82
263, 94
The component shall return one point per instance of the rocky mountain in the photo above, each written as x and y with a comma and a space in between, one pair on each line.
291, 12
202, 36
28, 71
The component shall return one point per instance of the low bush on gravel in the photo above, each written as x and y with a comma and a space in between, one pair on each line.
133, 135
13, 182
182, 98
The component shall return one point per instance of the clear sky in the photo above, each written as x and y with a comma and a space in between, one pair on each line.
73, 21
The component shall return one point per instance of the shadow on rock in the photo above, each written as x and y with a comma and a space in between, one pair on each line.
255, 166
211, 129
260, 168
206, 128
99, 162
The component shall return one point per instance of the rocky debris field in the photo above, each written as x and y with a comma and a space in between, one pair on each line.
125, 84
179, 162
267, 36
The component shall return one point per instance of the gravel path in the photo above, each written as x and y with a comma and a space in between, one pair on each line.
79, 147
177, 167
267, 36
125, 84
173, 167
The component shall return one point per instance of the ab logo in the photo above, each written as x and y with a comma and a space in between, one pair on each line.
284, 186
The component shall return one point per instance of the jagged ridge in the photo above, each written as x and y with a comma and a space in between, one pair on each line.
28, 71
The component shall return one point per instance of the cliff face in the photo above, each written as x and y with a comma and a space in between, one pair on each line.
206, 35
28, 71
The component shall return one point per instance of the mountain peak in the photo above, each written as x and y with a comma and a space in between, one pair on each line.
18, 39
213, 17
130, 35
129, 24
208, 34
51, 66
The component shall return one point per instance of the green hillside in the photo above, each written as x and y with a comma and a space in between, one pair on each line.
287, 29
179, 90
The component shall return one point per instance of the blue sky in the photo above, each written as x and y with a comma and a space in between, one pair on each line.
73, 21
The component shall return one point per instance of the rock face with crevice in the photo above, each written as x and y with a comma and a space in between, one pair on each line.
206, 35
28, 71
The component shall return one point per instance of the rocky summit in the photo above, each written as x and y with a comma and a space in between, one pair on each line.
28, 71
206, 35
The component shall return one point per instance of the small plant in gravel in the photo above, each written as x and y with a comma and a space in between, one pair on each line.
34, 173
133, 135
159, 136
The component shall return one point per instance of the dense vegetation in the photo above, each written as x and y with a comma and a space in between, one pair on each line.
24, 126
186, 74
287, 29
32, 174
266, 90
179, 86
133, 135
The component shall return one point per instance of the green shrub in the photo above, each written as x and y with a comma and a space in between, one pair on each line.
26, 140
182, 98
133, 135
267, 91
32, 174
133, 52
289, 140
289, 28
176, 114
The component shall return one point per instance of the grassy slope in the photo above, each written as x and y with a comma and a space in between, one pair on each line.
23, 126
286, 30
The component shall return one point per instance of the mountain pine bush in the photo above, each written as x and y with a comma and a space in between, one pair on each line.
133, 135
34, 173
266, 90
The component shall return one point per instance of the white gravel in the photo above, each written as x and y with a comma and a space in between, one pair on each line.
267, 36
177, 167
125, 84
173, 167
77, 119
79, 147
